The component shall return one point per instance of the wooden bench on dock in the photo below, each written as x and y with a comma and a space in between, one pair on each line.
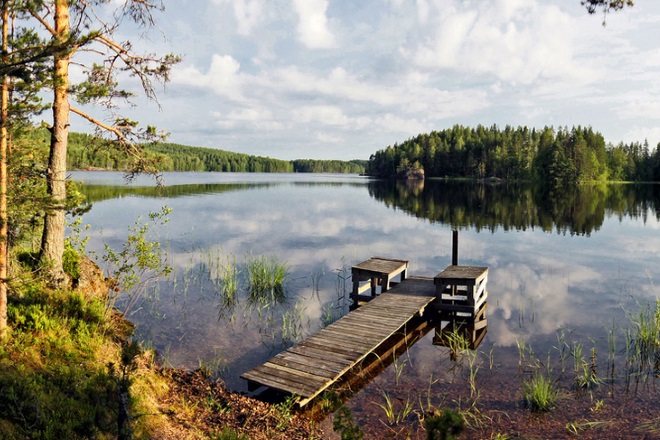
461, 290
376, 271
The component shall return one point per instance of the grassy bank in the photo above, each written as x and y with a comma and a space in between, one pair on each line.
68, 369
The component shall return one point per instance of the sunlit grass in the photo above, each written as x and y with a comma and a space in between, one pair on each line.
266, 277
644, 337
229, 278
539, 393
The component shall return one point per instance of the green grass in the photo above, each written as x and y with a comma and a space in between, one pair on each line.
229, 434
53, 385
644, 337
229, 289
539, 393
59, 364
266, 277
393, 415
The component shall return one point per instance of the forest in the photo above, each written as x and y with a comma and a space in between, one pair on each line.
553, 156
88, 151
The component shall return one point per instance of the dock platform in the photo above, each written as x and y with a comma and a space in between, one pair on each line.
314, 364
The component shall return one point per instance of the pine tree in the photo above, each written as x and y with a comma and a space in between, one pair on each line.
78, 26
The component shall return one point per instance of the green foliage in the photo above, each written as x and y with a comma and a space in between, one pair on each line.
52, 386
586, 376
539, 393
266, 277
285, 412
229, 434
74, 248
343, 425
328, 166
395, 416
556, 157
88, 151
444, 426
229, 280
643, 340
27, 197
140, 261
71, 261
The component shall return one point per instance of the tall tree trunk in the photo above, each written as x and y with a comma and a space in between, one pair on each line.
52, 242
4, 148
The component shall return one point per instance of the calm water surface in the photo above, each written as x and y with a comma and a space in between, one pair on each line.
575, 262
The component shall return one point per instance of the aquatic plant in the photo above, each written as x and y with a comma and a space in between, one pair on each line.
343, 286
539, 393
394, 416
651, 426
444, 425
229, 283
343, 425
266, 277
585, 371
329, 401
292, 324
329, 315
399, 367
583, 425
315, 278
644, 338
455, 340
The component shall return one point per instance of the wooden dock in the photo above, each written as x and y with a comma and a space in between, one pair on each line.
311, 366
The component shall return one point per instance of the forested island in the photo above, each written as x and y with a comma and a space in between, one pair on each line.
549, 155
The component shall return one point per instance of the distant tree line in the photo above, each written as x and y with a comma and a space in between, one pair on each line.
554, 156
329, 166
88, 151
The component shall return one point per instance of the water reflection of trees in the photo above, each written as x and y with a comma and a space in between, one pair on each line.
97, 193
576, 210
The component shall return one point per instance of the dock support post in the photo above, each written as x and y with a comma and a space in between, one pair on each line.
454, 248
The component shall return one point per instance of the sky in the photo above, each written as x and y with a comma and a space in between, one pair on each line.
342, 79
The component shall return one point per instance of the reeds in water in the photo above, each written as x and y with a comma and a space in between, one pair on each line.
266, 277
539, 392
643, 343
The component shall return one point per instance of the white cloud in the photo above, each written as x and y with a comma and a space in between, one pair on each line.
513, 41
222, 77
313, 24
248, 13
255, 118
326, 114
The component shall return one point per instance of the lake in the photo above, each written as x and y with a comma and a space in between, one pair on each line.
566, 271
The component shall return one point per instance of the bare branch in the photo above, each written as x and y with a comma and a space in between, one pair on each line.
43, 22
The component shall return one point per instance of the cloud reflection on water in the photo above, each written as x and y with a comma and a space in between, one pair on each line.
539, 281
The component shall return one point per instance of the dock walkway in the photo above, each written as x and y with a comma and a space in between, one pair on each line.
314, 364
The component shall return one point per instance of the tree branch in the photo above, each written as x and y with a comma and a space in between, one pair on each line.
43, 22
131, 148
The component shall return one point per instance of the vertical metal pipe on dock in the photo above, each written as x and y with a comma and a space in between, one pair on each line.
454, 248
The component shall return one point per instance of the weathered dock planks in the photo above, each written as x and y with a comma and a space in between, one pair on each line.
311, 366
